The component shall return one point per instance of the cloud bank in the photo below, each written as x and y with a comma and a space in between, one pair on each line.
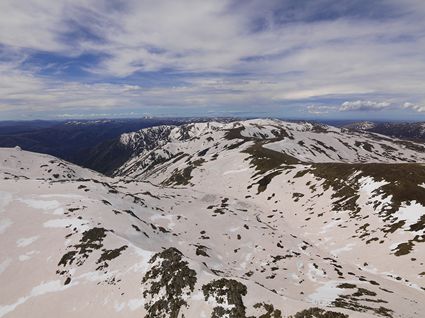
364, 105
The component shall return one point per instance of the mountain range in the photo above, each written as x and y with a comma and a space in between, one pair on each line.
73, 139
404, 130
240, 219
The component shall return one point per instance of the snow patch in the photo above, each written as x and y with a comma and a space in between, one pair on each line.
63, 223
57, 195
26, 241
368, 184
345, 248
135, 303
59, 211
4, 224
235, 171
143, 265
119, 306
411, 214
325, 294
24, 257
5, 264
42, 289
314, 272
329, 225
5, 199
27, 256
41, 204
156, 217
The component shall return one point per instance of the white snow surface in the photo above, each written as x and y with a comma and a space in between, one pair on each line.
287, 243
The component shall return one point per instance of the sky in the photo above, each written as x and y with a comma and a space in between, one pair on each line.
295, 59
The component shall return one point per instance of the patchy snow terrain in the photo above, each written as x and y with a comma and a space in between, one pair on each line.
260, 218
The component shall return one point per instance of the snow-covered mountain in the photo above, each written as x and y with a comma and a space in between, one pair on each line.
259, 218
361, 125
286, 142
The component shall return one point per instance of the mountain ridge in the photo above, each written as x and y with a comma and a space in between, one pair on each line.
237, 217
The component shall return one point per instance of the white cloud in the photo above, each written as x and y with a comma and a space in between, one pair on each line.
320, 109
364, 105
416, 107
208, 42
31, 24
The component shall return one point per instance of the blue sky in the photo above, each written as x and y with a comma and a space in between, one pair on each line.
313, 59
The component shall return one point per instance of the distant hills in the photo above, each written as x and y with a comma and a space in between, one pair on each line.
412, 131
95, 143
72, 140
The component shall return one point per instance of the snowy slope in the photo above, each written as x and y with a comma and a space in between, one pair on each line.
218, 220
303, 142
19, 164
81, 247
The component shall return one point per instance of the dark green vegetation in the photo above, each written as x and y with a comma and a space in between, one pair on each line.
264, 181
108, 255
235, 133
361, 300
226, 292
220, 209
318, 313
171, 278
265, 159
337, 177
90, 241
201, 250
262, 158
403, 185
180, 177
402, 181
270, 311
183, 177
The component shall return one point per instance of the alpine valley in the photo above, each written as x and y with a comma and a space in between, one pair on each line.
245, 219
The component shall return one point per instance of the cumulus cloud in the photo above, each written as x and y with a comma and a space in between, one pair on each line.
320, 109
364, 105
415, 107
